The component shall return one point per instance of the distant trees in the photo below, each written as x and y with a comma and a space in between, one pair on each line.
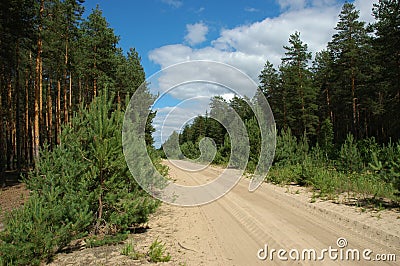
51, 61
354, 82
351, 87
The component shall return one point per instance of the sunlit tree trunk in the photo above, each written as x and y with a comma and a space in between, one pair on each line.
38, 85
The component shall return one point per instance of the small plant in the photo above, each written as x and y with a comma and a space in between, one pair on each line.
129, 250
313, 198
156, 252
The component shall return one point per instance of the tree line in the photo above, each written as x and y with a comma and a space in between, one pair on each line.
52, 60
353, 86
336, 117
354, 83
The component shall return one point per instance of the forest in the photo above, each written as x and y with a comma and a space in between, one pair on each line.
64, 85
336, 115
52, 60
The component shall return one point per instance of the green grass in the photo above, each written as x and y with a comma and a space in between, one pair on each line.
157, 251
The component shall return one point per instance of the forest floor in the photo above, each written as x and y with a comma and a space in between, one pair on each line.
233, 229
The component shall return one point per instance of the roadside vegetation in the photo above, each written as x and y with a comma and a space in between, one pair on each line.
64, 87
80, 189
337, 118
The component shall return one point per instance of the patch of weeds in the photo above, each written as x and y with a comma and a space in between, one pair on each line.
129, 250
156, 252
96, 241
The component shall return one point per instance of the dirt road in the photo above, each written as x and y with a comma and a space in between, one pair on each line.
236, 229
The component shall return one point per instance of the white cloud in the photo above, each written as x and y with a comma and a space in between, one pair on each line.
248, 47
174, 118
365, 8
173, 3
292, 4
196, 33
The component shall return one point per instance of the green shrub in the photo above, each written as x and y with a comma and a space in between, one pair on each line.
286, 149
349, 157
83, 186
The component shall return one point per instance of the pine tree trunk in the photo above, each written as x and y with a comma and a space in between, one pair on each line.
49, 115
38, 86
79, 91
354, 104
10, 127
58, 112
26, 128
328, 103
17, 110
70, 96
65, 106
65, 102
94, 87
2, 139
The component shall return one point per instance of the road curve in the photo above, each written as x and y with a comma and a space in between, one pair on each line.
237, 229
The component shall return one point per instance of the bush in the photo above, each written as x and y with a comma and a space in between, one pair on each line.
349, 157
82, 187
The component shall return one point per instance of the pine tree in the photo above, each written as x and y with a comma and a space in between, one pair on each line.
349, 50
98, 51
322, 79
82, 186
301, 94
275, 93
386, 47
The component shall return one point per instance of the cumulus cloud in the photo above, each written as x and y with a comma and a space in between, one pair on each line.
292, 4
196, 33
248, 47
173, 3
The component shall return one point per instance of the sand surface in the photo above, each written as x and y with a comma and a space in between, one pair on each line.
233, 229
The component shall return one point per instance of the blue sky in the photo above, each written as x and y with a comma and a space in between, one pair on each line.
149, 24
241, 33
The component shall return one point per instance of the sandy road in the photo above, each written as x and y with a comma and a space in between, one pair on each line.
231, 230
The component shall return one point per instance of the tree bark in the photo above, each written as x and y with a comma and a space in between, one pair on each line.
17, 109
38, 86
58, 112
49, 115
